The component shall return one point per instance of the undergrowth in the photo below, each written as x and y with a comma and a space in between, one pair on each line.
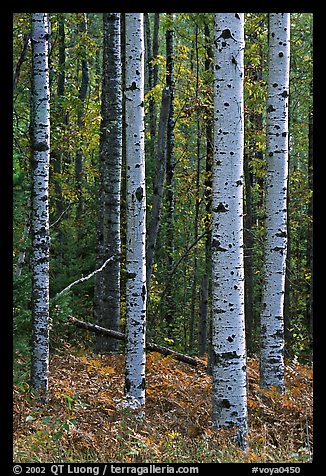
84, 420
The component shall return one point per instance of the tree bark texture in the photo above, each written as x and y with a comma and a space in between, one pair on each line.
272, 317
136, 292
229, 395
107, 284
40, 209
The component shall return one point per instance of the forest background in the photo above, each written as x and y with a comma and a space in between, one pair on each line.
180, 278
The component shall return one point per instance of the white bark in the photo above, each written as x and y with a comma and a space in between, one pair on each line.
228, 329
40, 213
136, 210
272, 318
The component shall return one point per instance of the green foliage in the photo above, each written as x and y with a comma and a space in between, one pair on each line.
21, 326
73, 241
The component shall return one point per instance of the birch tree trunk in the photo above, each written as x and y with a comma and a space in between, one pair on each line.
40, 209
136, 292
107, 284
272, 317
229, 397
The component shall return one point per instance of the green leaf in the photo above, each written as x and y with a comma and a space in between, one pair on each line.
47, 420
57, 435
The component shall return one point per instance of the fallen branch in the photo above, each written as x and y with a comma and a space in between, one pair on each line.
59, 218
86, 278
149, 345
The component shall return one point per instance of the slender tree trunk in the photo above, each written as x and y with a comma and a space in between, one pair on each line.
170, 304
107, 284
26, 231
152, 107
248, 255
158, 185
197, 203
229, 396
83, 91
155, 46
136, 293
252, 149
203, 316
272, 317
22, 58
148, 55
40, 209
209, 61
56, 154
288, 337
310, 230
123, 197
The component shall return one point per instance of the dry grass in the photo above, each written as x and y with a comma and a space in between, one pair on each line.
83, 423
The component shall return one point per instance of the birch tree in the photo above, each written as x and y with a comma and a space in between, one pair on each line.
107, 284
40, 116
229, 397
136, 292
272, 318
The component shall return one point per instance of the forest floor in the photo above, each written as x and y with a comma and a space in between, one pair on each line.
85, 421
